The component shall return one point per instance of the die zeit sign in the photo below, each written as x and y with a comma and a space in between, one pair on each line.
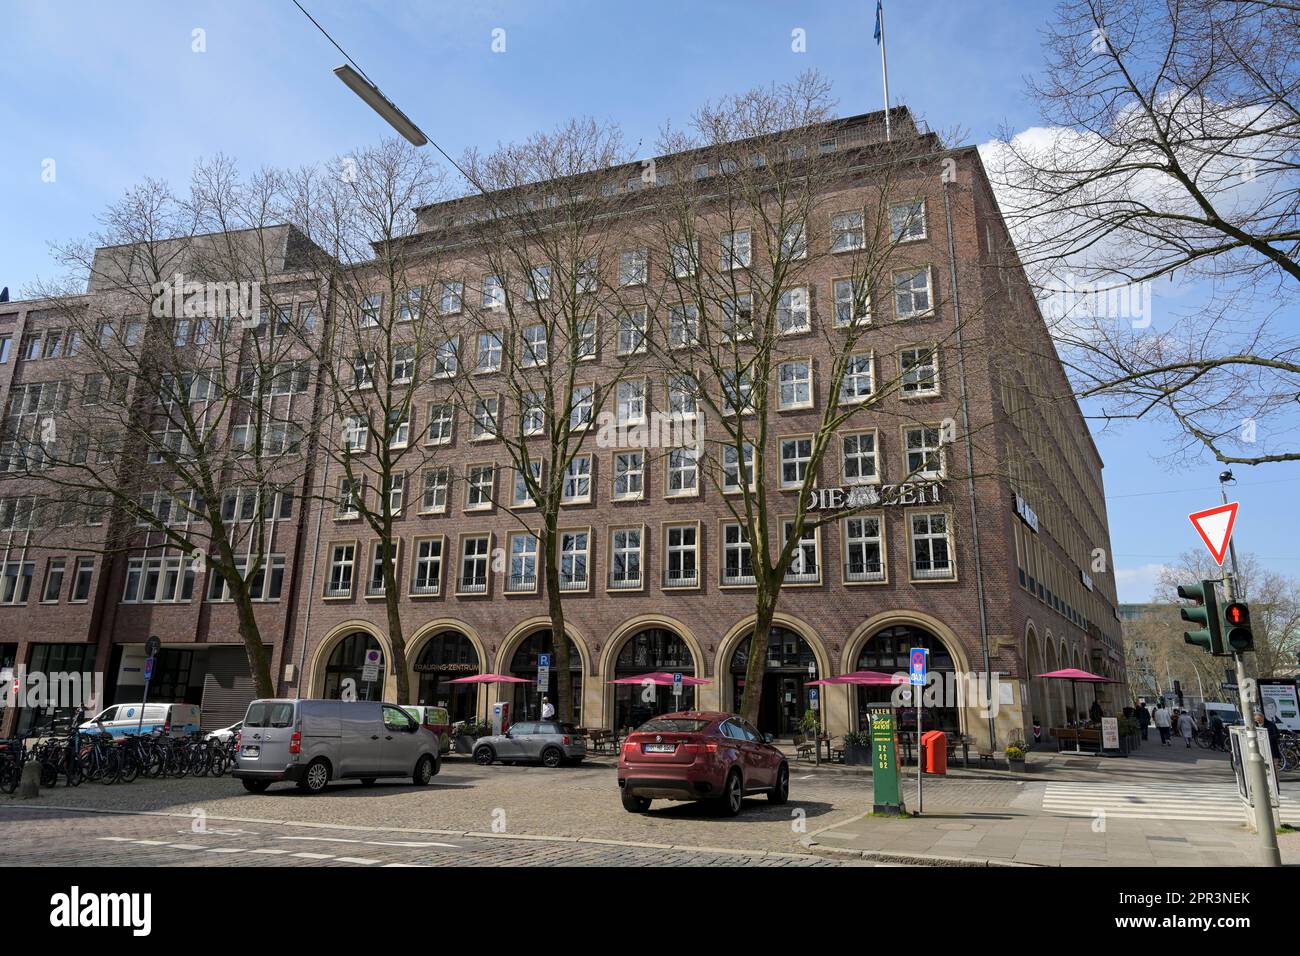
872, 496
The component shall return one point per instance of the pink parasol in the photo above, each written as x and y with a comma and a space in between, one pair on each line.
661, 677
489, 679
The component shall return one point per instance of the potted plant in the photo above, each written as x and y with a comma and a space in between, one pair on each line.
857, 748
467, 733
1016, 757
809, 725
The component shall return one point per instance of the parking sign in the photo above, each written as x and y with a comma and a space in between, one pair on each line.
917, 668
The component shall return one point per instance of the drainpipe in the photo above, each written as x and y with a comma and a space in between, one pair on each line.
970, 466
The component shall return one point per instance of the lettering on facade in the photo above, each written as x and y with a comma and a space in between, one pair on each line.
852, 497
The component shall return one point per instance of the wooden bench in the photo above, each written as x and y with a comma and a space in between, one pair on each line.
1083, 738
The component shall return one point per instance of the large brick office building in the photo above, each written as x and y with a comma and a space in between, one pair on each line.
987, 554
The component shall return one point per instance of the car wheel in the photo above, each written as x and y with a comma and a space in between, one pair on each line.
552, 757
423, 771
635, 804
733, 795
368, 781
256, 786
483, 756
781, 792
316, 777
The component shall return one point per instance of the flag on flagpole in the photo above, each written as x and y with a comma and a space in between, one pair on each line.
879, 13
884, 62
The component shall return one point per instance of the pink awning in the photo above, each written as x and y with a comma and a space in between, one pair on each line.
1073, 673
661, 677
489, 679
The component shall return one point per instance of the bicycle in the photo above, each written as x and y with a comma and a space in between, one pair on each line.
101, 760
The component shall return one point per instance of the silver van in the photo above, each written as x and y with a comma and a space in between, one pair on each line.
312, 742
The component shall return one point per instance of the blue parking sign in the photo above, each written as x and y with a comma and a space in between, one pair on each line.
543, 660
917, 660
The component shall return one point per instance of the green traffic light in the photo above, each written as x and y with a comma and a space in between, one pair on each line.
1209, 636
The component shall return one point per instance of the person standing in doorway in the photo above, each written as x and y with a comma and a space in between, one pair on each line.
548, 709
1186, 728
1163, 724
1143, 719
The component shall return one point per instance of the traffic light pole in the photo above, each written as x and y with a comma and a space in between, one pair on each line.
1256, 775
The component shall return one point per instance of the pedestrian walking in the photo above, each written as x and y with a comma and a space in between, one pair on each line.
1186, 728
1163, 724
1094, 712
1143, 719
548, 709
1216, 728
1269, 727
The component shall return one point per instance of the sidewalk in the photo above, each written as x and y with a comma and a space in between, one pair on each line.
1108, 812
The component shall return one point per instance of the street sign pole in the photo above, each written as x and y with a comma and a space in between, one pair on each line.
1255, 772
917, 659
151, 648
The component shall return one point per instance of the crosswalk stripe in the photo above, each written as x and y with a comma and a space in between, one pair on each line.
1206, 802
356, 859
226, 849
270, 851
314, 856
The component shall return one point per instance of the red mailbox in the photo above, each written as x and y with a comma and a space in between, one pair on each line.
934, 752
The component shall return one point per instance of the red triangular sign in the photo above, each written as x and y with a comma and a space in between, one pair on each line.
1214, 525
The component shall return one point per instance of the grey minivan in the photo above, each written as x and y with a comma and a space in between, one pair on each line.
312, 742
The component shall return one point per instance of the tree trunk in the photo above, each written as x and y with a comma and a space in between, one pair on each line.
559, 639
259, 662
756, 666
396, 636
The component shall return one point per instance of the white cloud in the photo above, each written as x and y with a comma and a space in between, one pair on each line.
1140, 584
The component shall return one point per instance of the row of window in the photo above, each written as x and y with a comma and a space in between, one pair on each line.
16, 580
929, 544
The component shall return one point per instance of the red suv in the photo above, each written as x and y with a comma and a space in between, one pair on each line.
700, 756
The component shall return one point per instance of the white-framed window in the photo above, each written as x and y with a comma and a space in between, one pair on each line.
852, 303
442, 422
363, 369
632, 267
796, 453
519, 495
587, 275
539, 284
403, 365
265, 584
629, 475
532, 414
737, 559
794, 241
351, 491
486, 412
737, 250
682, 556
912, 294
858, 458
426, 568
410, 303
737, 391
683, 326
864, 549
924, 448
395, 489
805, 561
631, 332
494, 293
433, 493
375, 586
625, 558
630, 402
847, 231
683, 391
343, 560
732, 471
54, 573
792, 313
700, 171
907, 220
16, 581
931, 545
452, 298
371, 306
920, 370
683, 473
480, 481
582, 407
523, 562
446, 358
684, 258
794, 384
536, 350
859, 378
83, 573
577, 481
738, 318
575, 560
356, 434
399, 428
474, 558
585, 329
488, 358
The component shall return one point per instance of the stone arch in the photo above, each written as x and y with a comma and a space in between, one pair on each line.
607, 670
629, 628
325, 647
1039, 701
426, 631
878, 622
727, 646
506, 649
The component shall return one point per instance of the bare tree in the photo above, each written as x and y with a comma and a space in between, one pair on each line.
183, 429
377, 283
1170, 149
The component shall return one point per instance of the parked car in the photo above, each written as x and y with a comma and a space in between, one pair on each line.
694, 755
224, 734
437, 719
548, 741
312, 742
121, 720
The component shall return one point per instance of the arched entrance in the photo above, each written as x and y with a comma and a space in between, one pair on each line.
791, 663
1038, 700
887, 651
651, 649
525, 699
446, 656
347, 662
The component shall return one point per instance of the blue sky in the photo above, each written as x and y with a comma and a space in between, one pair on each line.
115, 92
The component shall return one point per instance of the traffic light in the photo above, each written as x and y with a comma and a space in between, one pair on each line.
1236, 627
1205, 613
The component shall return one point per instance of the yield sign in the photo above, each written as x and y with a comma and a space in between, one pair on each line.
1214, 525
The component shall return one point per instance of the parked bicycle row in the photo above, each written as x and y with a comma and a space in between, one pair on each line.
99, 757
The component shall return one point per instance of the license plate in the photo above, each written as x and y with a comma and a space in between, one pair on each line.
660, 748
252, 751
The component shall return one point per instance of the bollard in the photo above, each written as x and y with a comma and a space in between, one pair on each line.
29, 785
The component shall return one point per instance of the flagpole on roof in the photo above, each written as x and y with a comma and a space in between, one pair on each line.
884, 62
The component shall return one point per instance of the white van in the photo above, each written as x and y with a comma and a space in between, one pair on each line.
121, 720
